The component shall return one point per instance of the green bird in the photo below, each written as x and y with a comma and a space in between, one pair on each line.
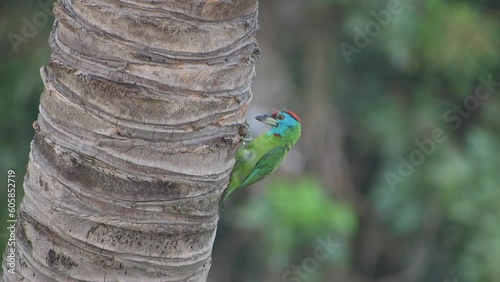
264, 154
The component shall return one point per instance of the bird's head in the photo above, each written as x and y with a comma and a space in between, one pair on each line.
280, 121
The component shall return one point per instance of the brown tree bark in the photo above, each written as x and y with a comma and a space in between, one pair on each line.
143, 110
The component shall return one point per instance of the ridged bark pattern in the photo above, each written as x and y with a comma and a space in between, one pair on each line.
143, 110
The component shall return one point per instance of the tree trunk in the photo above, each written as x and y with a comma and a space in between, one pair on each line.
143, 110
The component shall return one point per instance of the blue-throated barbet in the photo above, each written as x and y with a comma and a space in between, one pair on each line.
264, 154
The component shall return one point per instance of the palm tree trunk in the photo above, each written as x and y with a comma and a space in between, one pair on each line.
143, 109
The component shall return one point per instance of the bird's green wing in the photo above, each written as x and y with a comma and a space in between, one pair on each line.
242, 167
265, 166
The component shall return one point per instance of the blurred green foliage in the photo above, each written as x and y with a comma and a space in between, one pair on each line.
295, 213
429, 59
425, 62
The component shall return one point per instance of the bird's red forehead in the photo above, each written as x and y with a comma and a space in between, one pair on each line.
292, 114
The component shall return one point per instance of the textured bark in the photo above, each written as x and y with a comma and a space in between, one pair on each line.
143, 109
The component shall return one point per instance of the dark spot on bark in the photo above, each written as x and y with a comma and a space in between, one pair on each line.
243, 131
23, 264
92, 230
256, 49
55, 259
51, 257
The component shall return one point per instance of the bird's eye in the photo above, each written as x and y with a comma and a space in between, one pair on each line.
281, 117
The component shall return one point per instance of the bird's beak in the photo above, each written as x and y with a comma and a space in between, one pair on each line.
267, 119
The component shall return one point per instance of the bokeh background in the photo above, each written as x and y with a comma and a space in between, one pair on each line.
397, 171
